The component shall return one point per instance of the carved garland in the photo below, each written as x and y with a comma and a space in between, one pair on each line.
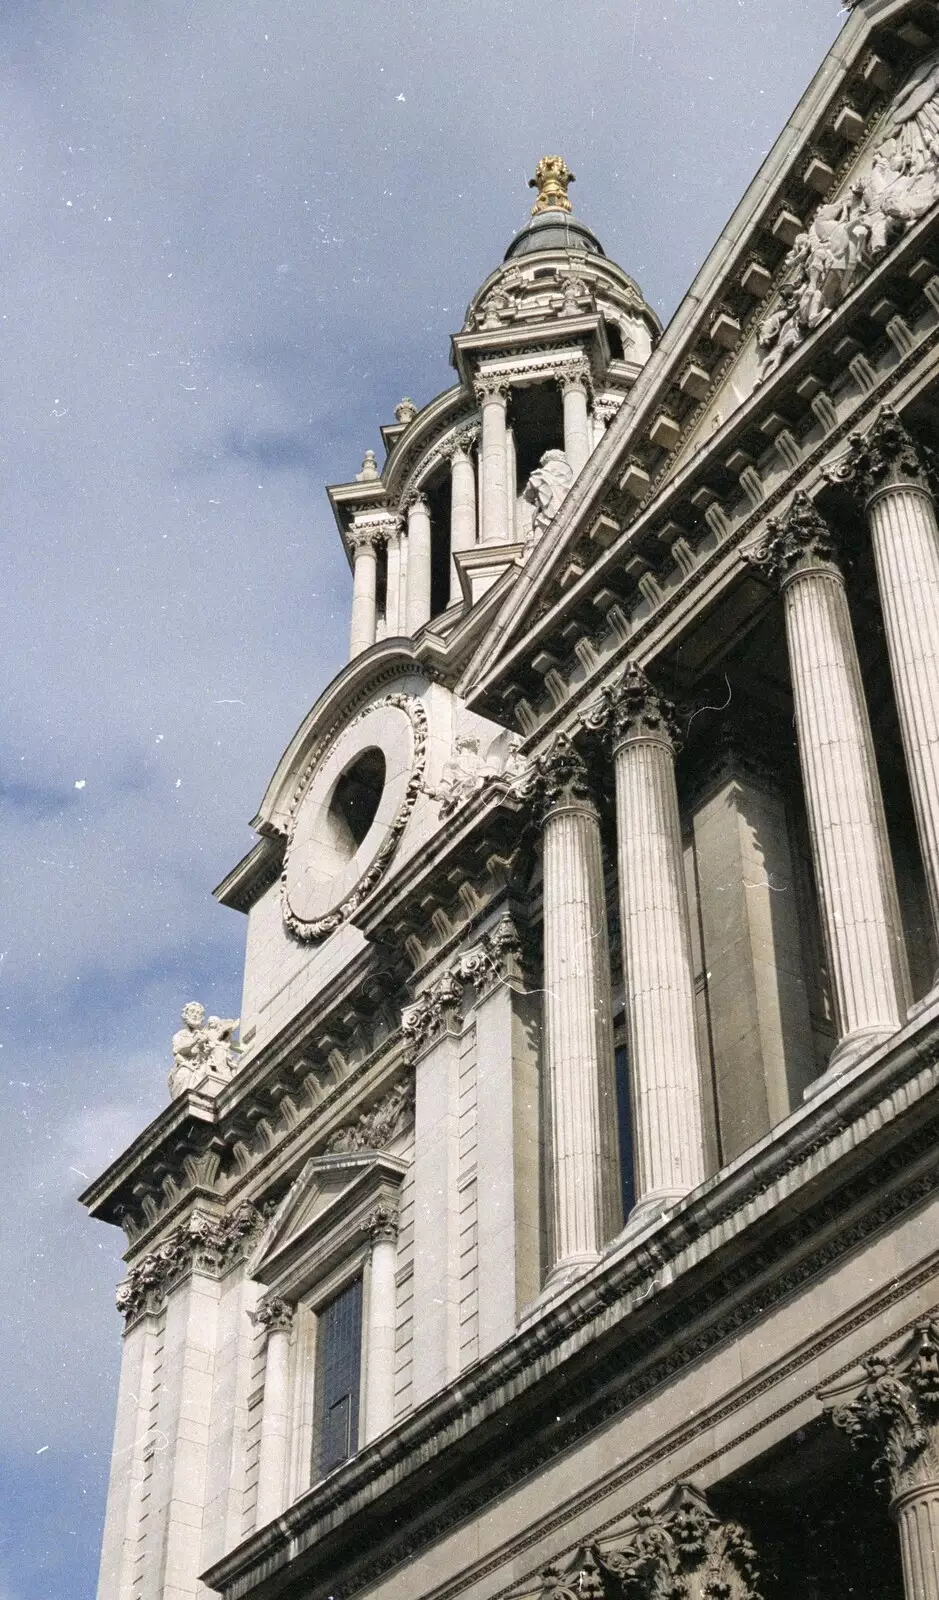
322, 927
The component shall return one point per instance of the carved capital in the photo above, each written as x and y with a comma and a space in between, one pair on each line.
493, 961
459, 444
382, 1225
558, 777
366, 536
574, 375
416, 502
681, 1552
896, 1414
492, 387
632, 708
882, 458
432, 1012
797, 542
211, 1244
275, 1315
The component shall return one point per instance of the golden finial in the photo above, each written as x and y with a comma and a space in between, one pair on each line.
552, 176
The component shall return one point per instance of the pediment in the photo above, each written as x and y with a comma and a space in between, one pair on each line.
325, 1214
801, 238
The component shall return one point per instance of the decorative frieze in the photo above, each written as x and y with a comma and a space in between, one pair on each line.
209, 1244
681, 1552
379, 1126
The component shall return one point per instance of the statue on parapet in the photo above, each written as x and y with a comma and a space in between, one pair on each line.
204, 1053
546, 488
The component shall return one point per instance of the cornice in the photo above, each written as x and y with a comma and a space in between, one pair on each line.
745, 1240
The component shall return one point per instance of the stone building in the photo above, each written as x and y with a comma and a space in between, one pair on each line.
564, 1221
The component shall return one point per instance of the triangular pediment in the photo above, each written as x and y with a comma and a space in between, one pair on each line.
326, 1212
852, 176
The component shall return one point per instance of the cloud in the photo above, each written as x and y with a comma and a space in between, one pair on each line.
231, 248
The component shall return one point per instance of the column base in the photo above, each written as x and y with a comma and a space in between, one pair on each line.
561, 1278
847, 1053
651, 1208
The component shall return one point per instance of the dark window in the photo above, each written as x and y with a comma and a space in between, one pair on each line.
338, 1362
614, 339
625, 1127
356, 798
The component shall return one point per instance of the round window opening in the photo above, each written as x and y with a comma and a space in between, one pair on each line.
354, 802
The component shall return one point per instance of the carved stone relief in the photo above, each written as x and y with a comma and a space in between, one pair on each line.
468, 771
377, 1127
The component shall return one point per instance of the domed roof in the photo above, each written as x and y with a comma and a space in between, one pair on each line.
554, 230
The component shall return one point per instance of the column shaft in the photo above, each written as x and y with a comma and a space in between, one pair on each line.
493, 468
906, 552
576, 425
363, 598
275, 1426
917, 1518
380, 1333
418, 571
393, 608
462, 514
663, 1050
511, 484
578, 1052
860, 914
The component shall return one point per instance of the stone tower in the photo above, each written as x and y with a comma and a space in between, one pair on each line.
562, 1222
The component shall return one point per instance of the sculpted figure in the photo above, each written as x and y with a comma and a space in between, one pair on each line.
547, 487
202, 1048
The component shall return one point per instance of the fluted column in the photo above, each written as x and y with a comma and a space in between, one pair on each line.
276, 1316
895, 1419
576, 422
462, 510
889, 474
493, 397
854, 872
665, 1076
380, 1328
578, 1040
418, 569
394, 622
364, 544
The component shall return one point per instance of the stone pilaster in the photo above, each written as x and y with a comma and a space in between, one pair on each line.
364, 543
896, 1418
492, 394
276, 1315
418, 568
578, 1040
889, 474
853, 868
574, 384
380, 1323
665, 1073
394, 595
462, 510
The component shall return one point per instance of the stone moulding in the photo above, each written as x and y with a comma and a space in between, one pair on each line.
322, 927
649, 1274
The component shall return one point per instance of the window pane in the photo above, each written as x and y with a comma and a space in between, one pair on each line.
338, 1362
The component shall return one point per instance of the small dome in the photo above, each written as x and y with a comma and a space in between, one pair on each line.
554, 230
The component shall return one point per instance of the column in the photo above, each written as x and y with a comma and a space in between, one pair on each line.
888, 472
418, 570
276, 1316
576, 423
122, 1521
380, 1328
492, 394
665, 1074
896, 1414
511, 483
394, 621
578, 1037
854, 873
363, 542
462, 511
185, 1420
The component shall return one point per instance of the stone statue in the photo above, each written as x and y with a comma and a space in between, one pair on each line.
848, 234
467, 771
546, 488
202, 1049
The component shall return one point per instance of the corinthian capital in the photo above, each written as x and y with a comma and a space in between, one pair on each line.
558, 777
366, 536
382, 1225
574, 375
800, 540
632, 708
275, 1315
432, 1011
491, 387
896, 1414
882, 458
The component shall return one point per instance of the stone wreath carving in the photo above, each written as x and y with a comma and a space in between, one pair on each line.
322, 927
897, 185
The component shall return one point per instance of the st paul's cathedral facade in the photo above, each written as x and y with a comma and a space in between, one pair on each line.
560, 1221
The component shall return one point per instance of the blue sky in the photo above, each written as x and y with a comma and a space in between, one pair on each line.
235, 235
